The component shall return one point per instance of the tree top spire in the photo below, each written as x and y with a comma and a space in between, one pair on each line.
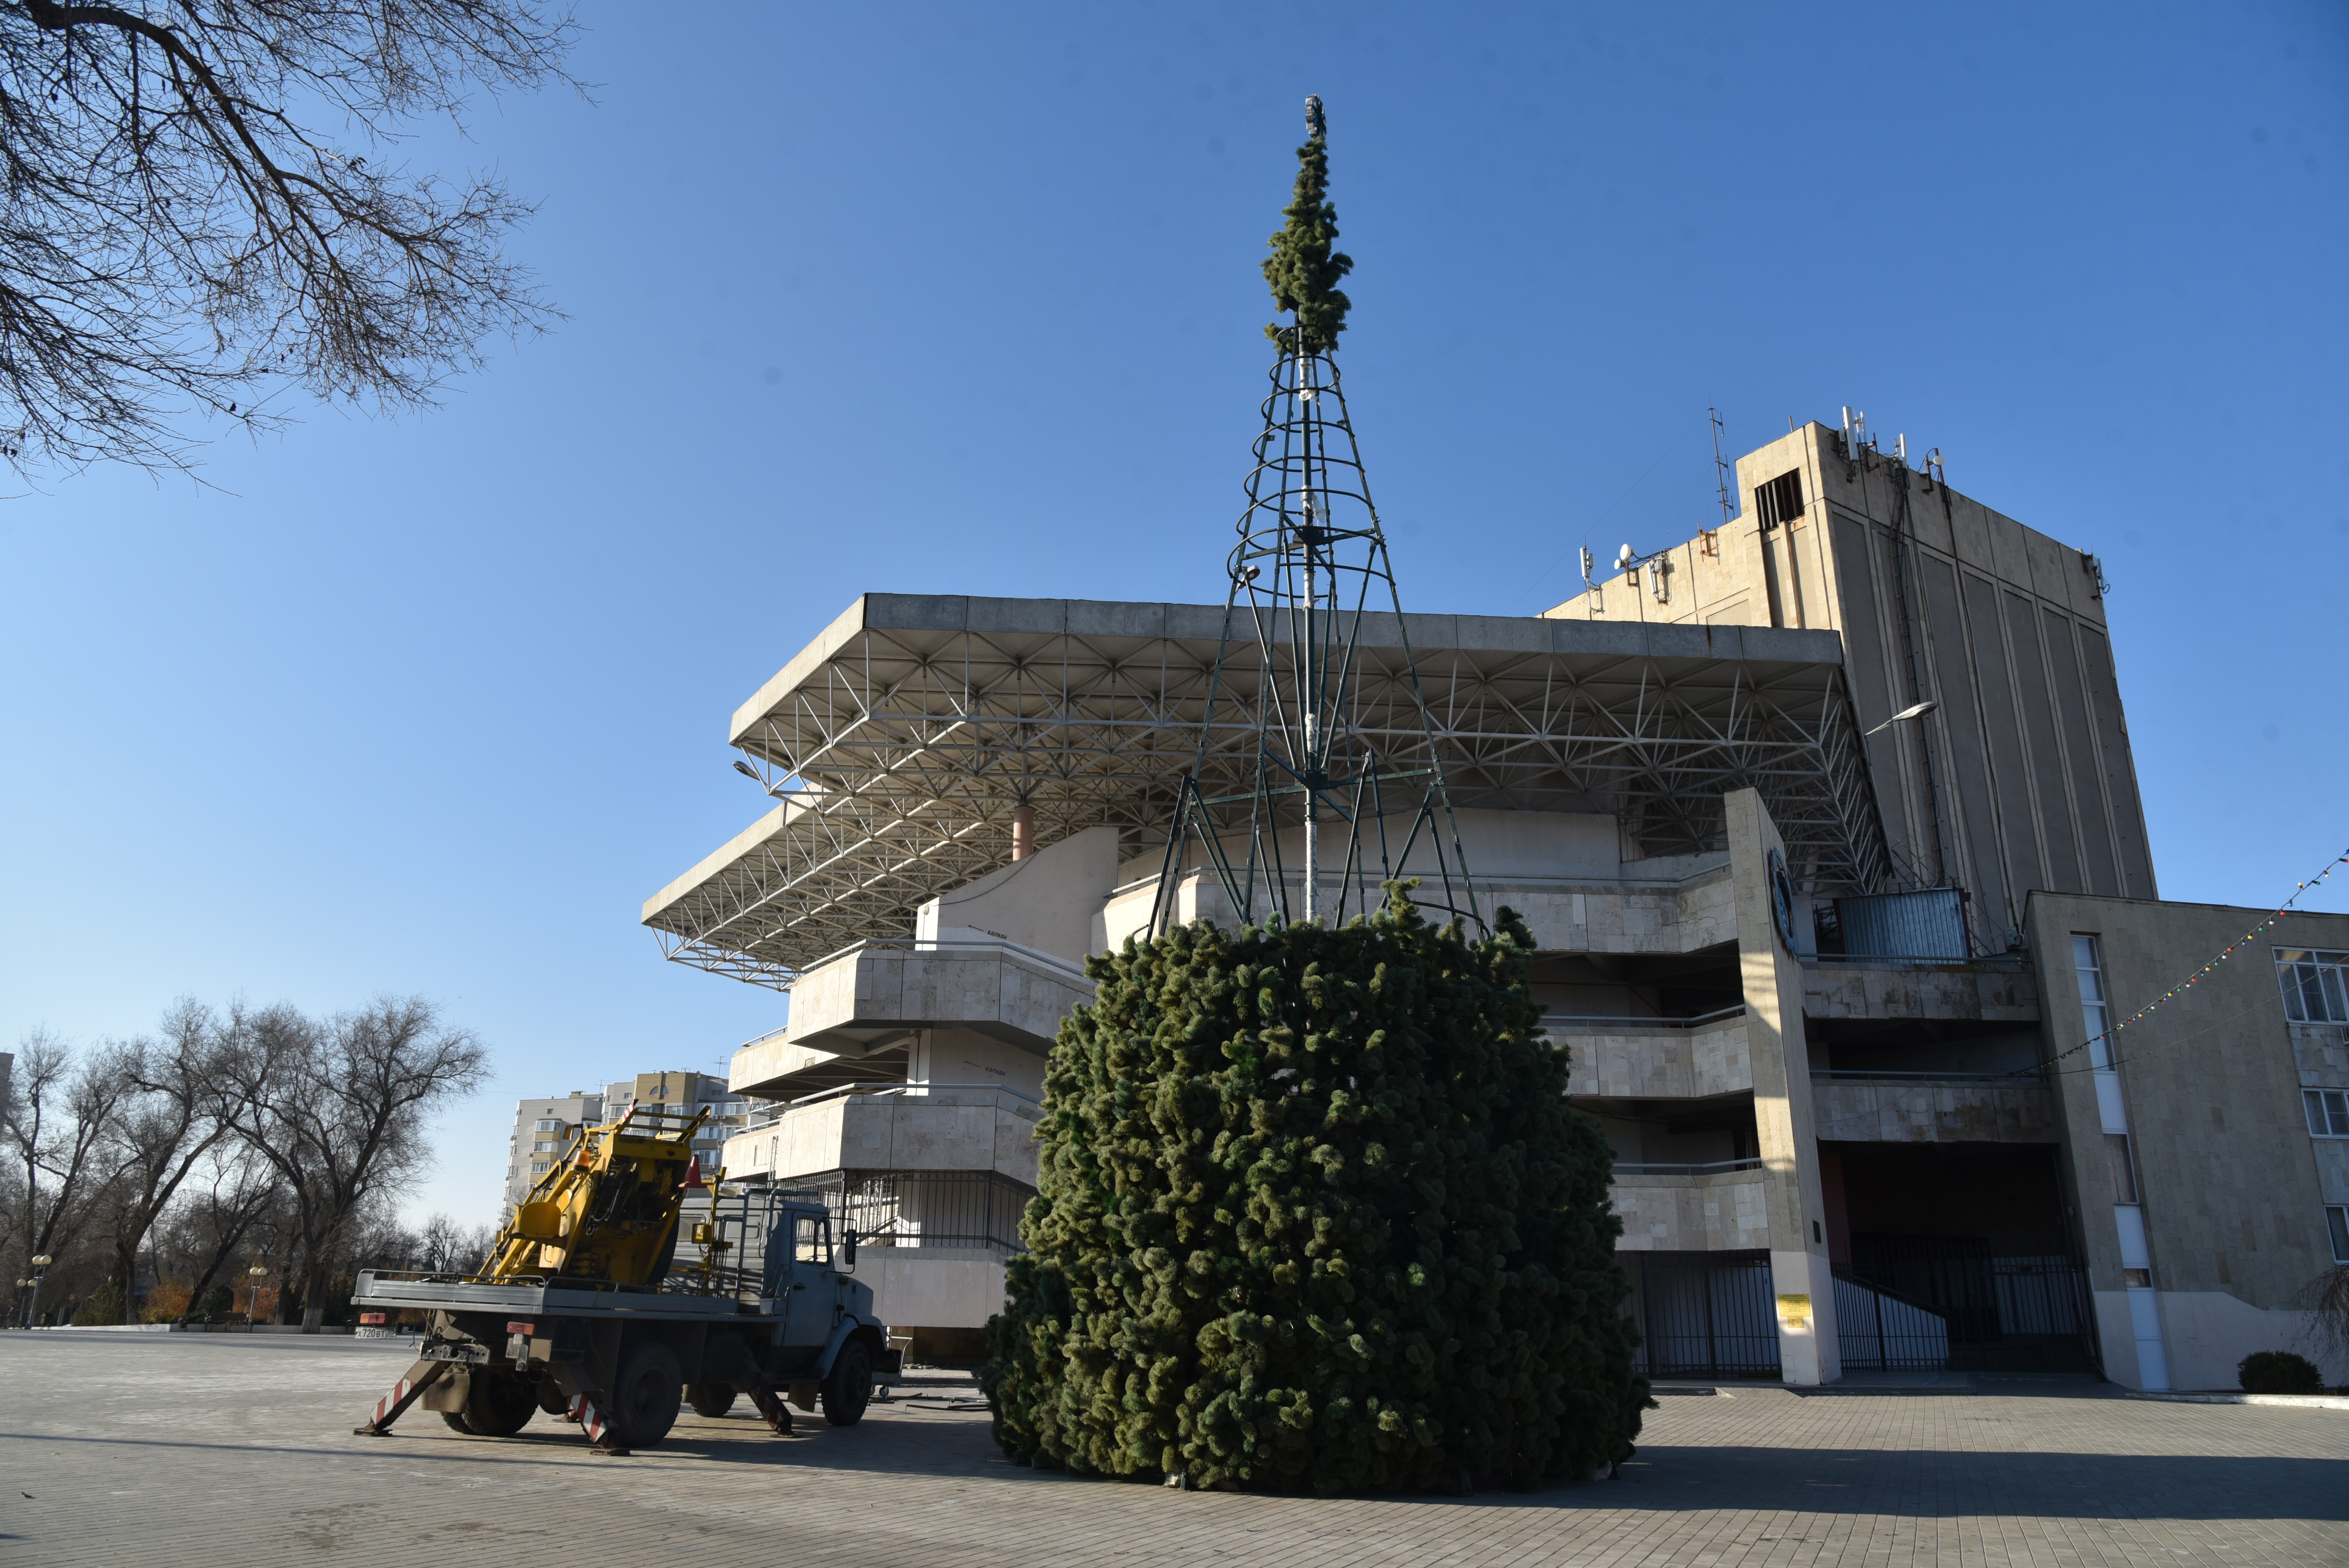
1303, 269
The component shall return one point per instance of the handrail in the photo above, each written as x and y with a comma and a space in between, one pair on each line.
1999, 963
1862, 1075
1752, 1162
932, 943
1736, 1010
876, 1090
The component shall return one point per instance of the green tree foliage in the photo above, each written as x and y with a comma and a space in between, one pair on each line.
1314, 1214
2279, 1372
1303, 269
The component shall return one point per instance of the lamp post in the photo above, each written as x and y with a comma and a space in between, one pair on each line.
253, 1292
1919, 711
41, 1263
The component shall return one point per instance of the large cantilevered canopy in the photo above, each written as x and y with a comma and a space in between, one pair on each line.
907, 734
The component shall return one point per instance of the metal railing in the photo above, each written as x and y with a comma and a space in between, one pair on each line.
1879, 1330
1872, 1075
1629, 1024
940, 1092
1992, 962
2025, 1312
937, 945
1713, 1168
976, 1211
1707, 1316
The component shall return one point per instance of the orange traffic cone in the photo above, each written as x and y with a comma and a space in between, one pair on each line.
692, 1175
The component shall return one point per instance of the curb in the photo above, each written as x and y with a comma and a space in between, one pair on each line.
2290, 1402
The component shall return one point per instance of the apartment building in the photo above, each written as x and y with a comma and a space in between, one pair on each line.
545, 1128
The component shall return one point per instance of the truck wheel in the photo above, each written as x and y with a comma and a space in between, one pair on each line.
849, 1389
646, 1399
498, 1405
456, 1422
711, 1398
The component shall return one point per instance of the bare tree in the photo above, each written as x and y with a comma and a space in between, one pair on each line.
218, 1214
339, 1106
446, 1247
162, 1128
58, 1112
203, 205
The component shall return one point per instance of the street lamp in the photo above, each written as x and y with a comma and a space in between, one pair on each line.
253, 1292
1919, 711
41, 1263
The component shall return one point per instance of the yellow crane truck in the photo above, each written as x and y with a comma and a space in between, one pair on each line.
624, 1286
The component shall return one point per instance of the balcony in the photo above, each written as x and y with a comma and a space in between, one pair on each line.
1655, 1058
892, 1127
1710, 1208
1998, 990
1875, 1106
871, 995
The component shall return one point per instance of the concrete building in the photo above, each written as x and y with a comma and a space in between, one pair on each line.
1826, 994
545, 1128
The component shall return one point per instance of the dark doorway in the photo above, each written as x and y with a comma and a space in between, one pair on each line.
1974, 1234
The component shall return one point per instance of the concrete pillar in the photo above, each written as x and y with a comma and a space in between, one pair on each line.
1792, 1195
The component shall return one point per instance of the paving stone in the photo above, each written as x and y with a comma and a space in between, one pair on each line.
178, 1449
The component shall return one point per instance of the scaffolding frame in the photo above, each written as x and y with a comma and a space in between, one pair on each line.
902, 741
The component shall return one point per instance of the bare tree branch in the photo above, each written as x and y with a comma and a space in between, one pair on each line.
178, 235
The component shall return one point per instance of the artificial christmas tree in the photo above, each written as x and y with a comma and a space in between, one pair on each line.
1313, 1212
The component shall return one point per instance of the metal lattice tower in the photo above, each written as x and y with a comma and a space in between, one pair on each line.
1308, 576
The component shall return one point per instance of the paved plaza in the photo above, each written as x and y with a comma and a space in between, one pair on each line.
179, 1450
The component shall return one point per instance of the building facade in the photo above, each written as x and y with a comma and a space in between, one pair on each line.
1829, 994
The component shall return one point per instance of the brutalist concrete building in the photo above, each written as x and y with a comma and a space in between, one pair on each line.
1834, 986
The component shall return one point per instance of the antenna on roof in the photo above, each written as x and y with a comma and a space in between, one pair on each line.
1720, 468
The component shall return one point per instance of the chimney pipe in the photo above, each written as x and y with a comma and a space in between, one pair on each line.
1023, 831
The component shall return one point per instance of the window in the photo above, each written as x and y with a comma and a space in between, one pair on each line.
544, 1146
549, 1124
2313, 991
811, 1240
2090, 965
1780, 500
2328, 1112
2117, 1155
2337, 1219
539, 1167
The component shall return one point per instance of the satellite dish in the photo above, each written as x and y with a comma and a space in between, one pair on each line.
1623, 556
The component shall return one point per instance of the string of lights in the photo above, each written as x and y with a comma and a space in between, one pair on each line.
2191, 980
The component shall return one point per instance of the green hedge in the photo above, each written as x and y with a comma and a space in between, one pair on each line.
1313, 1212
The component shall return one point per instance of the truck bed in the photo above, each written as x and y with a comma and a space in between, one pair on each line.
386, 1288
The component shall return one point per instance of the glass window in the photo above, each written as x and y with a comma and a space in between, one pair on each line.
2094, 1009
2313, 990
811, 1240
2117, 1155
2328, 1112
2338, 1218
549, 1124
539, 1167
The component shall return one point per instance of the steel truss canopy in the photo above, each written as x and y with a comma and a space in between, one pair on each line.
904, 738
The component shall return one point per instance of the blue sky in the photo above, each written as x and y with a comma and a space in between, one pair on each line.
922, 299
